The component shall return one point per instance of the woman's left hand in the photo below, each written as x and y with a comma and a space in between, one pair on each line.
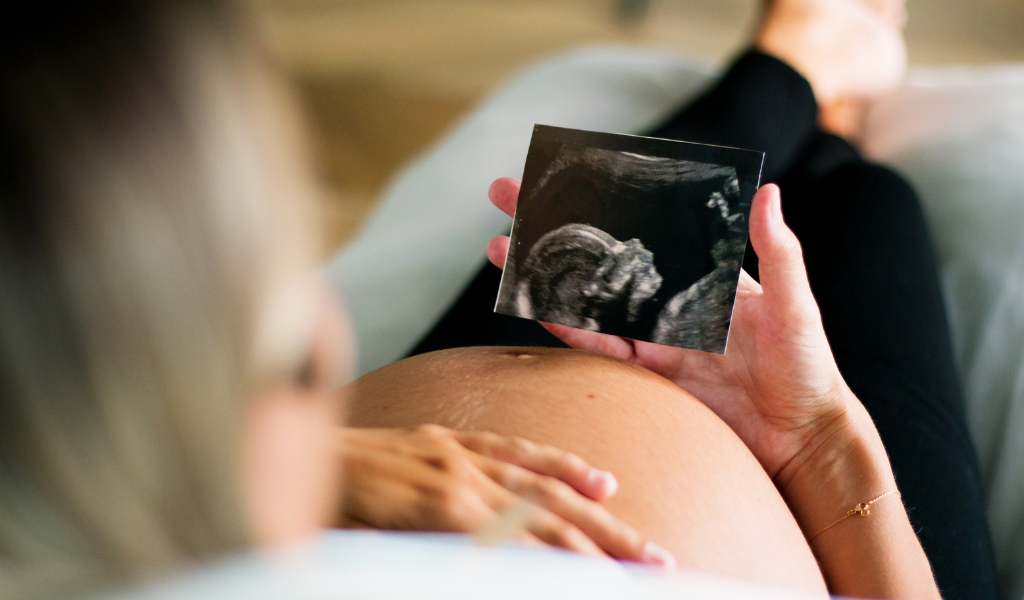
435, 479
777, 385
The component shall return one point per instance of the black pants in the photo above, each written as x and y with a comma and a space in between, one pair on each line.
873, 272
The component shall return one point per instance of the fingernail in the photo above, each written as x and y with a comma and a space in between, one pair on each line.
656, 555
603, 483
775, 208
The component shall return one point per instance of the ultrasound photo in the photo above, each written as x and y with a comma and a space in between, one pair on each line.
632, 236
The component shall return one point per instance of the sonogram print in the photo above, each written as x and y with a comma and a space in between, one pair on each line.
627, 241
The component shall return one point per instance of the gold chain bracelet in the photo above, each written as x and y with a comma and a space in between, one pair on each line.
862, 509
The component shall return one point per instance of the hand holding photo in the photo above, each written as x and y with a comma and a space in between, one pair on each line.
632, 236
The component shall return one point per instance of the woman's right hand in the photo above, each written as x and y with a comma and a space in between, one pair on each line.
435, 479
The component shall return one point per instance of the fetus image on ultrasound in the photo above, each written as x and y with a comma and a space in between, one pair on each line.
580, 276
630, 236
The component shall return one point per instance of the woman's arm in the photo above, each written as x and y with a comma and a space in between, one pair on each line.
434, 479
844, 496
778, 387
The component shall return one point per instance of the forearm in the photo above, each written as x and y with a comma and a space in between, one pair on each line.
874, 555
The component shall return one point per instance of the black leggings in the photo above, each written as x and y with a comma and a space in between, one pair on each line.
873, 272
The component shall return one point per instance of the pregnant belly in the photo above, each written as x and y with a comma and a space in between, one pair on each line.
686, 481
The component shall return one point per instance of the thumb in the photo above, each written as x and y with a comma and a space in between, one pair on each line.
780, 258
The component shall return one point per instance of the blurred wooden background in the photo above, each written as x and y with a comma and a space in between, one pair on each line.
381, 79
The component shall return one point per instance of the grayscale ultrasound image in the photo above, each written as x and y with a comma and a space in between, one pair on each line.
631, 236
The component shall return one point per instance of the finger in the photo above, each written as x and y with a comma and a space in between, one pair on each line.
787, 293
391, 490
556, 531
609, 533
515, 516
518, 514
528, 539
557, 514
541, 459
497, 250
350, 522
504, 193
384, 501
593, 341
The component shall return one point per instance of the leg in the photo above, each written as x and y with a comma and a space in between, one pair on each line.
761, 104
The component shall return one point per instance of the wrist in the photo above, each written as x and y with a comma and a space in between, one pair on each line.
842, 464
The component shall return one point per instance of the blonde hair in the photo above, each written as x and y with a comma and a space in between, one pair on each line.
153, 203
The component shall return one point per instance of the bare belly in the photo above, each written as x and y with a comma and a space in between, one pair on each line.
686, 481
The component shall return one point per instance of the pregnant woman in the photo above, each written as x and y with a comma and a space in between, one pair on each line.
169, 372
774, 462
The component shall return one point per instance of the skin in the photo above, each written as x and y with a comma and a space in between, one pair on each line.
686, 480
431, 478
301, 464
778, 388
846, 49
698, 475
776, 392
291, 475
851, 52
